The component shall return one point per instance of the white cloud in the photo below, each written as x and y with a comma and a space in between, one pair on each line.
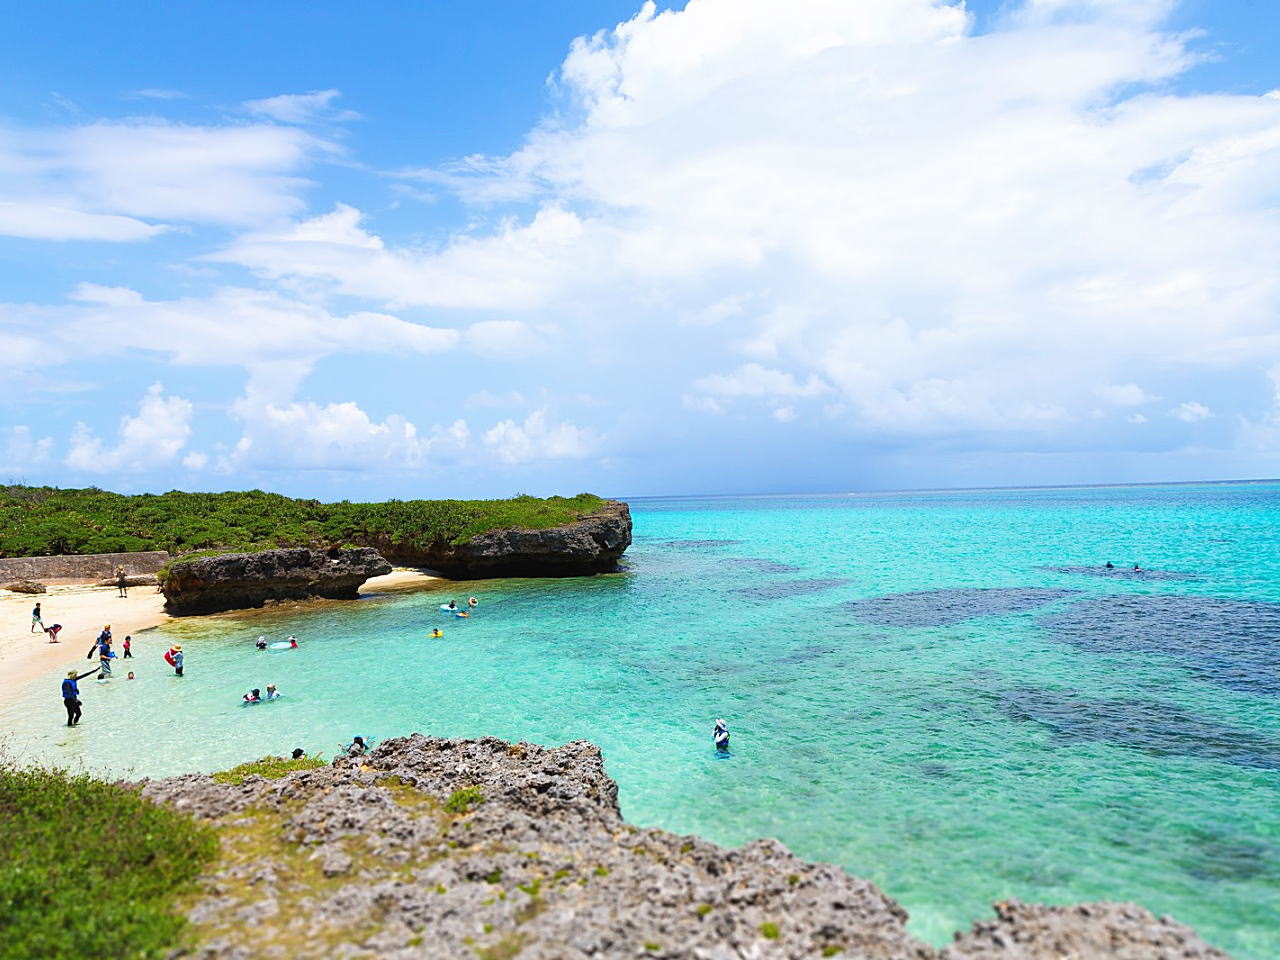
276, 337
515, 268
301, 108
152, 438
754, 380
21, 451
535, 439
953, 233
1191, 412
156, 93
1125, 395
35, 221
195, 460
1136, 418
334, 436
784, 414
102, 180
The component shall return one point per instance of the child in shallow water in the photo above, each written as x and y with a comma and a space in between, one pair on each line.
272, 692
253, 696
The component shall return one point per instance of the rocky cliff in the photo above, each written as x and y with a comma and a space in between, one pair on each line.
236, 580
590, 545
479, 848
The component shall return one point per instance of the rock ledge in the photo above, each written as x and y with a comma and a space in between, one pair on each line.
236, 580
384, 857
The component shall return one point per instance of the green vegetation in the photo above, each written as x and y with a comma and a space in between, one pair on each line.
269, 767
769, 930
35, 521
461, 801
91, 868
832, 950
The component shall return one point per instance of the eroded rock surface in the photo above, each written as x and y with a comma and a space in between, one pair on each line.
237, 580
479, 848
1121, 931
590, 545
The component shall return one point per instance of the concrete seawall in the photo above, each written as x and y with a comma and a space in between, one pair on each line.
89, 566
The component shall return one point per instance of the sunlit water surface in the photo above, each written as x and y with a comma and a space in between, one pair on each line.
944, 693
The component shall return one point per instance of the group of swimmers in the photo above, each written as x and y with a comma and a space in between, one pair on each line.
1112, 566
255, 695
261, 643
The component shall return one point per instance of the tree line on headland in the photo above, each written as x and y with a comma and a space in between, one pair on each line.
39, 521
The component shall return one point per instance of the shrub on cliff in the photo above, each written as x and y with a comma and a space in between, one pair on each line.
36, 521
91, 869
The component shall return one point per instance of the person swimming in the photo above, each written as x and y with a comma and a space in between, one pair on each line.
462, 614
453, 604
293, 643
721, 736
1110, 565
253, 696
298, 753
272, 692
437, 633
472, 601
356, 748
262, 643
130, 676
1136, 568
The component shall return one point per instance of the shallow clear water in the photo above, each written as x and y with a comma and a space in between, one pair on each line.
914, 692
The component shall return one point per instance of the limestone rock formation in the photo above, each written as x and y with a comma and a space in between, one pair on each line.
236, 580
433, 848
1119, 931
590, 545
25, 586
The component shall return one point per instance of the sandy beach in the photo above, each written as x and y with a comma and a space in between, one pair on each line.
83, 609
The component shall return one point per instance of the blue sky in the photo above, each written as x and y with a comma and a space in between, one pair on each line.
731, 246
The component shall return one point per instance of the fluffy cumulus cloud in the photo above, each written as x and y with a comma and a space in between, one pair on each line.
957, 234
1191, 412
538, 439
151, 439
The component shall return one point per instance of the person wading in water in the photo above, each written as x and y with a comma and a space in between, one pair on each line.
71, 695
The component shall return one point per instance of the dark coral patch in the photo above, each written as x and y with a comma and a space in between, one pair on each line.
1233, 643
942, 608
1159, 729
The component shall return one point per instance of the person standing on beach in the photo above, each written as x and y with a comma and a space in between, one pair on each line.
71, 696
122, 583
35, 618
128, 653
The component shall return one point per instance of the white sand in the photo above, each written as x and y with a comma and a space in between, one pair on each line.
84, 609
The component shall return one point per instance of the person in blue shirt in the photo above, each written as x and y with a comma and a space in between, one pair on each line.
71, 695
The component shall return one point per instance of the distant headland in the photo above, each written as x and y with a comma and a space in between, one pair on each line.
240, 549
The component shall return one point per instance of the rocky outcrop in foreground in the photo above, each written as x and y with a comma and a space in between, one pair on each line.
237, 580
590, 545
480, 848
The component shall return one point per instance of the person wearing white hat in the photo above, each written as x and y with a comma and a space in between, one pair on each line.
721, 736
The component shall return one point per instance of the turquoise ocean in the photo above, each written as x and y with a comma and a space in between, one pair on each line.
945, 693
